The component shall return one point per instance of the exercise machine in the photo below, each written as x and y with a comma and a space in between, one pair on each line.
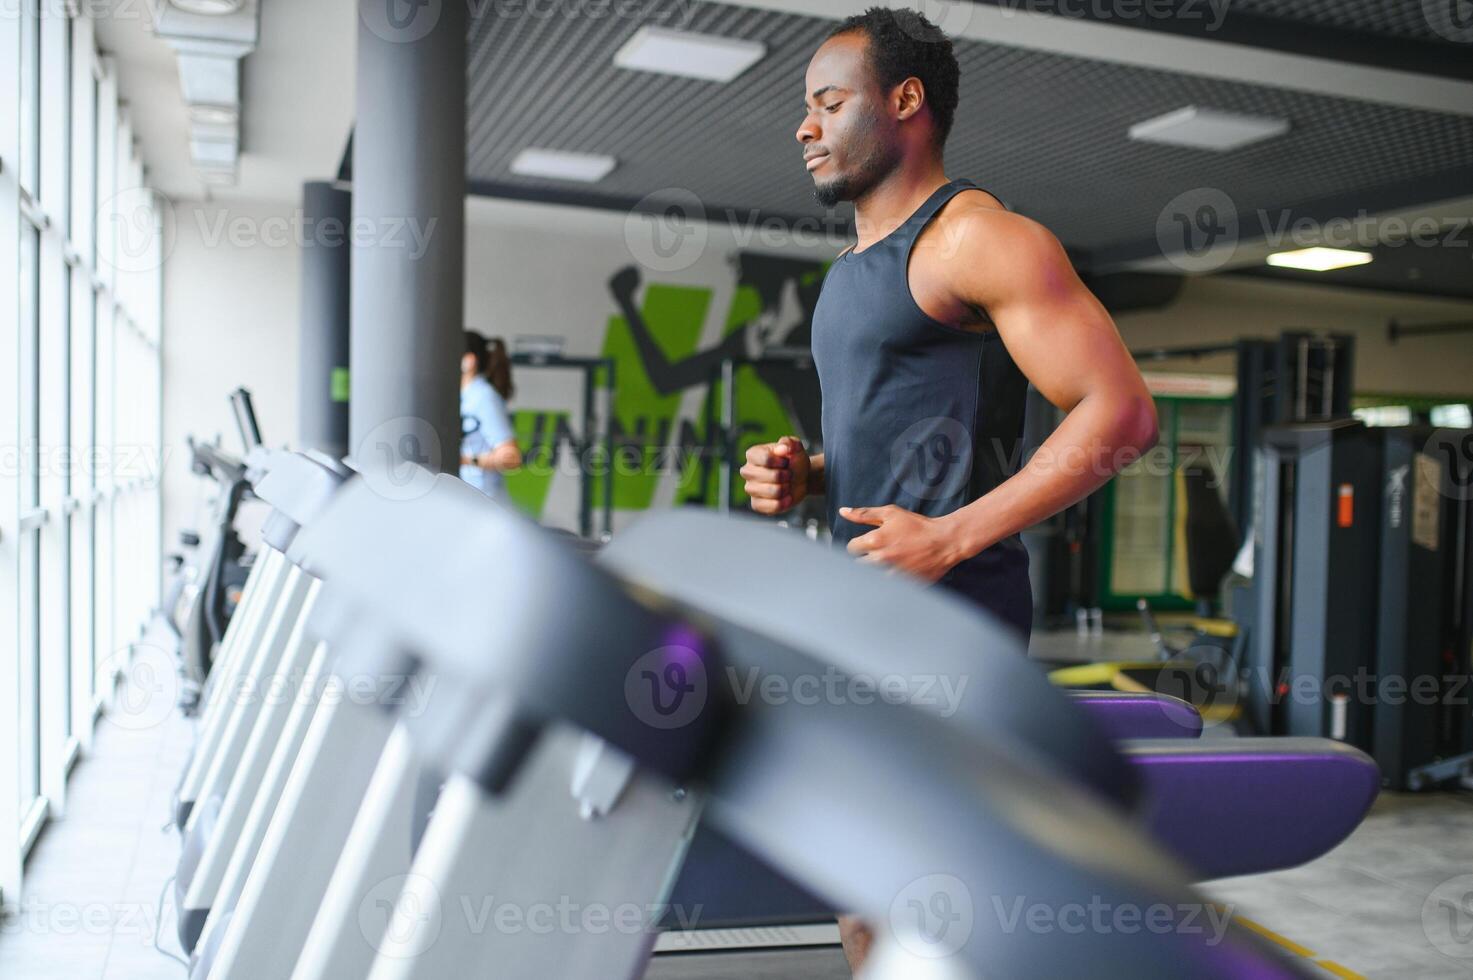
363, 797
1361, 594
598, 417
254, 704
204, 596
605, 823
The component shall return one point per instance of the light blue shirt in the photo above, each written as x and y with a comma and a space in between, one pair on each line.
484, 425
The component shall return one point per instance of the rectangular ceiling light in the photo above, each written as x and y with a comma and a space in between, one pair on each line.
1319, 259
210, 79
213, 153
1208, 129
562, 165
688, 54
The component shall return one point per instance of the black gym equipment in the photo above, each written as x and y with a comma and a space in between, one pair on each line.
1361, 595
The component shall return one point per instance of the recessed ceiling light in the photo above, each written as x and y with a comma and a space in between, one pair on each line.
1208, 129
688, 54
1319, 259
213, 153
214, 115
562, 165
209, 8
208, 79
1456, 416
219, 178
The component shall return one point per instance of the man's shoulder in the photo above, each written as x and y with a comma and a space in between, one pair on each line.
971, 239
976, 219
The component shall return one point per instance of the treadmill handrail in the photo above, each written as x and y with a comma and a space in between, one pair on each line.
225, 467
888, 627
811, 787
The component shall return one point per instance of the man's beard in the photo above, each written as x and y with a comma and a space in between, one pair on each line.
878, 164
833, 192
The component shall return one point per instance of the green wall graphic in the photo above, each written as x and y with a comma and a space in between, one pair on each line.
656, 358
528, 487
674, 315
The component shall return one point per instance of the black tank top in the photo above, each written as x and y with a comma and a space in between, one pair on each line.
917, 413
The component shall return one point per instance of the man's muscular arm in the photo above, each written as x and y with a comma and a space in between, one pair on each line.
1015, 272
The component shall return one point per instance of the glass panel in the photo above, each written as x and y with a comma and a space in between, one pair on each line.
30, 96
1452, 416
30, 672
84, 382
30, 243
1385, 415
1138, 555
1204, 436
91, 244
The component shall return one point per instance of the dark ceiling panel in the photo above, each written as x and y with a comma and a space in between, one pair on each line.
1394, 18
1046, 132
1402, 35
1445, 268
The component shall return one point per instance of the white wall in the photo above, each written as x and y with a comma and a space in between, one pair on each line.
230, 319
535, 269
232, 310
1223, 308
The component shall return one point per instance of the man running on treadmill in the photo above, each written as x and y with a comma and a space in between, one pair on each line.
926, 336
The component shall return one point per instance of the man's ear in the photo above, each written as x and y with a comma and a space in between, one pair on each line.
910, 96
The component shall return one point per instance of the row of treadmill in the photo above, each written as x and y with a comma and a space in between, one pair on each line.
438, 740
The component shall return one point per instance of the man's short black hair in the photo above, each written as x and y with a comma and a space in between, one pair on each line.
902, 44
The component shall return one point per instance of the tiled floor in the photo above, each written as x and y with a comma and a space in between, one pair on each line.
1388, 903
1375, 904
94, 877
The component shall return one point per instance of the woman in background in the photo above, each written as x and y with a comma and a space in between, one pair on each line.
488, 446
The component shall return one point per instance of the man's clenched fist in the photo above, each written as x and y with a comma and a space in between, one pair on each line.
777, 475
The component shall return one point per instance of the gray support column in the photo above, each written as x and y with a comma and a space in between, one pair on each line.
322, 387
409, 232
